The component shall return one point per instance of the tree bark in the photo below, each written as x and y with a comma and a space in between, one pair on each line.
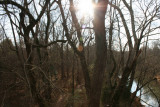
62, 62
100, 34
32, 77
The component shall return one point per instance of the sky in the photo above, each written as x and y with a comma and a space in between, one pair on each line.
85, 13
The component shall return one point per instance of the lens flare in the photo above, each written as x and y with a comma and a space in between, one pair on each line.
85, 7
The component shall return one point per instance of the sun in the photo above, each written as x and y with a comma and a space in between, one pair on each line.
85, 7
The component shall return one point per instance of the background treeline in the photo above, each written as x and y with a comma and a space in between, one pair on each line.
14, 90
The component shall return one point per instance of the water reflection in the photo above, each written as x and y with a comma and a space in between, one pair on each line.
145, 97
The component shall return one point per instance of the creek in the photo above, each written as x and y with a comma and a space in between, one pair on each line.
146, 97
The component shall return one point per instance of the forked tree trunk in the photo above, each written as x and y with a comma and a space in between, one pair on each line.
31, 75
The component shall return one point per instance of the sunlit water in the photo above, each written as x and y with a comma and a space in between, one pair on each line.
145, 97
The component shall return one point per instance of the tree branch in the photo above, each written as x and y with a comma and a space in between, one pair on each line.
49, 44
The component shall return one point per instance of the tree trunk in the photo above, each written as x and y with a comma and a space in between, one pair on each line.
67, 61
62, 63
100, 33
73, 68
32, 77
78, 80
85, 74
120, 88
